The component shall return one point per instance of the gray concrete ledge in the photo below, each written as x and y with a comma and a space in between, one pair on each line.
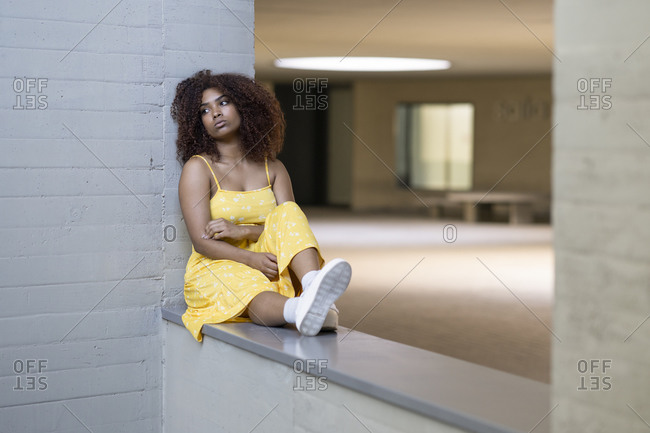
465, 395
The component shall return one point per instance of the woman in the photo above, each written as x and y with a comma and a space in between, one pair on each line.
252, 249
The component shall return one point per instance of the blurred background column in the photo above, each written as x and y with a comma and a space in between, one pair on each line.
601, 210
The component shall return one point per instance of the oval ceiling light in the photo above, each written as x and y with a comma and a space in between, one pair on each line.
359, 64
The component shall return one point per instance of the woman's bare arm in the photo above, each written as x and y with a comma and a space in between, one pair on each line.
194, 196
281, 182
224, 229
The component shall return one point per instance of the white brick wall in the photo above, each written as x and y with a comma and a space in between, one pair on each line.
84, 262
601, 214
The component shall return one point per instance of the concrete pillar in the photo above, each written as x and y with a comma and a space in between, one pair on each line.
601, 214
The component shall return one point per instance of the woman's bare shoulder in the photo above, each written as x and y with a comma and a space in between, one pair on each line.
195, 164
276, 165
194, 173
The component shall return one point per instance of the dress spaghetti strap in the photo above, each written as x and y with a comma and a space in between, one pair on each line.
211, 171
266, 164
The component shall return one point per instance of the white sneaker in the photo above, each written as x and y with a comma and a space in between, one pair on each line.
324, 290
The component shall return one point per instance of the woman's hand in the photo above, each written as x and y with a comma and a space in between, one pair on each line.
222, 229
266, 263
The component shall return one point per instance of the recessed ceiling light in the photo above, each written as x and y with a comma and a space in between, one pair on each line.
377, 64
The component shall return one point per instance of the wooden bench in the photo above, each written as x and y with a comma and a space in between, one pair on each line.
476, 204
520, 204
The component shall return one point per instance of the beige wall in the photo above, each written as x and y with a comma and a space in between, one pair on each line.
511, 115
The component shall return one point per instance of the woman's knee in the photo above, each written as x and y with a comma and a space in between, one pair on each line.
261, 302
288, 210
288, 205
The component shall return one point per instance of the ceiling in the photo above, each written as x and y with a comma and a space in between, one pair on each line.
479, 37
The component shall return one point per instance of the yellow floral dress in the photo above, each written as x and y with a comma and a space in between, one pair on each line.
217, 291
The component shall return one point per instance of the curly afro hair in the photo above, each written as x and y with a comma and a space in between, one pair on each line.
262, 121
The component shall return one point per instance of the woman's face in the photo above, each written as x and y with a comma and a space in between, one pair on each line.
219, 115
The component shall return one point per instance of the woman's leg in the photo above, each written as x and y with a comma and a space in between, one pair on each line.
288, 236
305, 261
310, 310
267, 308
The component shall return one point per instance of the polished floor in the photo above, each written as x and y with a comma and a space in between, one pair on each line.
478, 292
